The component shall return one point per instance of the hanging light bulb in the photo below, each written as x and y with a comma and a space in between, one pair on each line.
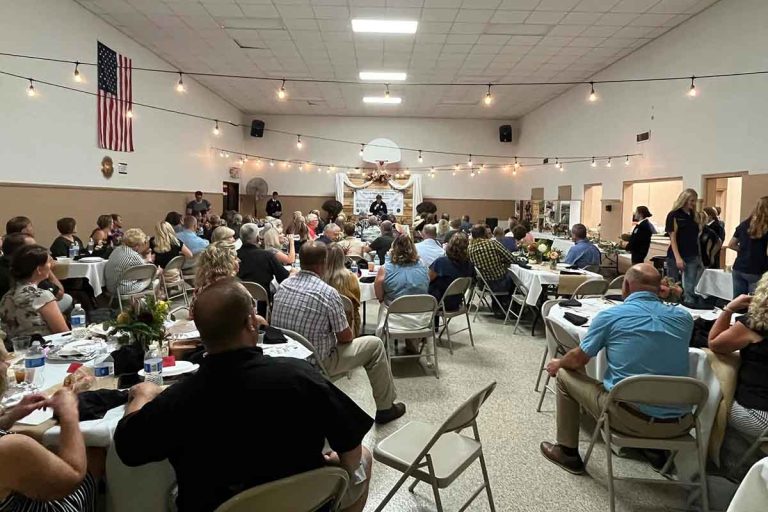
514, 171
457, 167
299, 144
407, 172
129, 114
482, 166
469, 162
76, 75
180, 84
271, 163
31, 89
301, 167
221, 154
281, 94
592, 93
333, 168
328, 171
562, 168
557, 163
692, 90
421, 159
226, 155
626, 162
453, 173
472, 174
488, 96
594, 163
608, 163
386, 93
362, 148
516, 165
216, 130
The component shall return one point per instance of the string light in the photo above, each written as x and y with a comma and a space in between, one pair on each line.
516, 165
362, 148
482, 166
180, 84
129, 114
562, 168
333, 168
421, 159
626, 162
271, 163
608, 163
692, 90
456, 167
299, 144
557, 163
592, 93
31, 89
514, 171
328, 171
453, 173
226, 155
281, 94
488, 97
386, 93
472, 174
76, 74
594, 163
221, 154
216, 130
301, 167
469, 162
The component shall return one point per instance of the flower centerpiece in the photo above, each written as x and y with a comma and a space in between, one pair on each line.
141, 323
554, 257
670, 290
608, 247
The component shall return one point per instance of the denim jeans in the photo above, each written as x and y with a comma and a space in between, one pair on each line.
690, 278
744, 283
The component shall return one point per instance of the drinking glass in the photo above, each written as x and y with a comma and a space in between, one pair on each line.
21, 344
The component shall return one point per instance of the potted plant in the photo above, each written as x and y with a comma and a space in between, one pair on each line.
135, 328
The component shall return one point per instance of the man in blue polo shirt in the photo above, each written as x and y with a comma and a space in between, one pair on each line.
642, 336
584, 253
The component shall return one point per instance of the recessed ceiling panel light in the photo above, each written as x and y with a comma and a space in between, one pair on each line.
383, 76
386, 100
385, 26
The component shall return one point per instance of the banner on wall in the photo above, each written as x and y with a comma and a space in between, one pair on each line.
392, 198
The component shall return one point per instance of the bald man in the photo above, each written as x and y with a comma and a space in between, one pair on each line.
641, 336
204, 425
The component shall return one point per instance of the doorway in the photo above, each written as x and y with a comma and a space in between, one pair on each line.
593, 197
724, 193
231, 196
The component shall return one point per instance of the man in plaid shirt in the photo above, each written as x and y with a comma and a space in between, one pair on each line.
307, 305
491, 258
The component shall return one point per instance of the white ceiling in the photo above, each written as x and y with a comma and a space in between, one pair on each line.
457, 41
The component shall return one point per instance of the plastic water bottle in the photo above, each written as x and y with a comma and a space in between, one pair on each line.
104, 369
90, 246
153, 365
297, 263
77, 320
34, 365
353, 268
74, 250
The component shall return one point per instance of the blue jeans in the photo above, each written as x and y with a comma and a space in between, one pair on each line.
690, 278
744, 283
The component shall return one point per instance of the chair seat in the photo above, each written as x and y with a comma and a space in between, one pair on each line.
673, 443
451, 454
403, 334
452, 313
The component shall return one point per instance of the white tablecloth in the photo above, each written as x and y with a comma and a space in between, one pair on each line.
715, 283
752, 495
94, 272
366, 289
535, 277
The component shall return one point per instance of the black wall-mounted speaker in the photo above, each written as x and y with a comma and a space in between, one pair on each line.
608, 207
505, 133
257, 128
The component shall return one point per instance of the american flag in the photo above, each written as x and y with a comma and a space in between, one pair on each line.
115, 99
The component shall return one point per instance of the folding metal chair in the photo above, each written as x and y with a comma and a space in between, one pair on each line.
614, 288
458, 288
258, 293
175, 264
482, 290
655, 390
563, 342
189, 269
305, 492
520, 296
761, 440
140, 274
592, 288
437, 455
419, 308
545, 308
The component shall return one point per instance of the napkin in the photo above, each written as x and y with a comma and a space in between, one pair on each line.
570, 303
273, 336
575, 319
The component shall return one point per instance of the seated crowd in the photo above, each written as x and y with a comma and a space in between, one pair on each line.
318, 297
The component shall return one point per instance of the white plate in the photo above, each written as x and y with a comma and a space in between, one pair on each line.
91, 259
180, 368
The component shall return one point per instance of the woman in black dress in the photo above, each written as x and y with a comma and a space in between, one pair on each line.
66, 239
640, 240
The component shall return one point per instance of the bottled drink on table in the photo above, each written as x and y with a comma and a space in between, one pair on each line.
74, 250
34, 364
104, 369
153, 365
77, 320
353, 268
90, 246
297, 263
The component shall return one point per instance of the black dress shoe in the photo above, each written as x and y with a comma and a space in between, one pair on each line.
386, 415
554, 453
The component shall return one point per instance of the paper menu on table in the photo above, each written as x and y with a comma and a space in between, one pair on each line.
37, 417
291, 349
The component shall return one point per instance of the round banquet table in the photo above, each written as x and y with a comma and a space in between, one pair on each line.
538, 275
715, 283
92, 271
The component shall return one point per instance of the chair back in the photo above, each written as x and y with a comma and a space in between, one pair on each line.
595, 269
458, 287
520, 288
176, 263
305, 342
567, 284
408, 304
563, 338
190, 264
257, 291
465, 414
661, 390
305, 492
348, 306
547, 306
616, 284
592, 288
144, 272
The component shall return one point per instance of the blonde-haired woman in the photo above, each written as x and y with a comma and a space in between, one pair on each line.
219, 260
274, 242
442, 229
683, 258
748, 416
132, 251
165, 247
750, 241
345, 282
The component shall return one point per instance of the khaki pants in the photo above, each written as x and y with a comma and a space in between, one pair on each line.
368, 352
576, 389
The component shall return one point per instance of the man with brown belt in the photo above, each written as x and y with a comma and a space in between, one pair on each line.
642, 336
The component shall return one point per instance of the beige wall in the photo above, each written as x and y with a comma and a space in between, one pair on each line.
537, 194
610, 221
591, 206
753, 187
658, 196
44, 205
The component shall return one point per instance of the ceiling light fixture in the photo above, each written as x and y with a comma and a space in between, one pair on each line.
488, 97
281, 94
77, 76
608, 163
626, 162
592, 93
31, 89
383, 100
384, 26
383, 76
594, 163
299, 144
216, 130
692, 90
180, 84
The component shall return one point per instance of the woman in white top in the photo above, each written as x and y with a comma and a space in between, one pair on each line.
274, 242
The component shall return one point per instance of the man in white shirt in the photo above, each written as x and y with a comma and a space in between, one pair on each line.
429, 249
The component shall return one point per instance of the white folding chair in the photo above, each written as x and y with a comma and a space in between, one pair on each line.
519, 297
614, 288
458, 288
305, 492
437, 455
592, 288
143, 275
190, 268
563, 342
545, 308
655, 390
258, 293
315, 358
175, 264
419, 311
482, 290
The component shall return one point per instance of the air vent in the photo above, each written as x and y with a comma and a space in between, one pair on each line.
642, 137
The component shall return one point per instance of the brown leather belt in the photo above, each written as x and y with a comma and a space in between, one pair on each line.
650, 419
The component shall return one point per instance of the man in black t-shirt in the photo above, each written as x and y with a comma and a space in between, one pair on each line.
244, 418
378, 207
274, 206
199, 205
383, 243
